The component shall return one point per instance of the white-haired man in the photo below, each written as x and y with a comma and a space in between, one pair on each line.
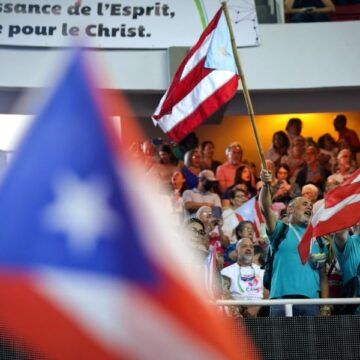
291, 278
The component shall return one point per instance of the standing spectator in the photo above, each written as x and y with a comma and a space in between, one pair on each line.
178, 185
207, 149
328, 150
202, 194
301, 11
192, 167
293, 129
225, 173
149, 154
243, 280
347, 250
313, 172
296, 158
163, 170
283, 191
350, 136
245, 177
303, 281
279, 147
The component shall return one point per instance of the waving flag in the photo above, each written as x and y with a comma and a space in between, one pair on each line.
79, 274
339, 211
205, 80
250, 211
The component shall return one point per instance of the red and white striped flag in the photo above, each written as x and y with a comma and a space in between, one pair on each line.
250, 211
339, 211
205, 80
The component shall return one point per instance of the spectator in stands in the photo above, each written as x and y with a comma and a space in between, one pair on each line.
302, 281
279, 147
245, 229
245, 177
149, 154
350, 136
237, 197
178, 184
163, 170
296, 158
225, 173
192, 167
244, 279
202, 194
283, 191
293, 129
347, 250
310, 192
207, 149
313, 172
328, 151
345, 166
301, 11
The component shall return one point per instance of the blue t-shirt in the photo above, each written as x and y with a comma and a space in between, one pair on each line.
290, 276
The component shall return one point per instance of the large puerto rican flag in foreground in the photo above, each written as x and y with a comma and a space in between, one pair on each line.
80, 272
339, 211
205, 80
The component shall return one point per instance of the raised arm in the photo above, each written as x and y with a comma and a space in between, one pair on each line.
265, 201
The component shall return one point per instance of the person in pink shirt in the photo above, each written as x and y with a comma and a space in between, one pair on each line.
225, 173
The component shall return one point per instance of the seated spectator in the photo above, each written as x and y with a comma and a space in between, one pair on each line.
163, 170
303, 11
313, 172
345, 166
328, 151
225, 173
237, 197
202, 194
243, 176
296, 158
192, 167
244, 229
283, 191
350, 136
243, 280
279, 147
207, 149
310, 192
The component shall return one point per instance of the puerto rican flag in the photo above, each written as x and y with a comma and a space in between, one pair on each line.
81, 274
250, 211
339, 211
205, 80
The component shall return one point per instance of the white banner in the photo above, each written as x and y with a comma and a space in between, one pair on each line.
119, 24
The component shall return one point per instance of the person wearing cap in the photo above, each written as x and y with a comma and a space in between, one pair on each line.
202, 195
225, 173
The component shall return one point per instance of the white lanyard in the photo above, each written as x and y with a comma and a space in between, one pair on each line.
298, 235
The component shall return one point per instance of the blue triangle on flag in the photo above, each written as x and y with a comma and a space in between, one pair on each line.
62, 203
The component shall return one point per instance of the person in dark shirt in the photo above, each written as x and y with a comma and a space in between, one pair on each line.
300, 11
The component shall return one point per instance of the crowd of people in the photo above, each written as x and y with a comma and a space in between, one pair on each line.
206, 196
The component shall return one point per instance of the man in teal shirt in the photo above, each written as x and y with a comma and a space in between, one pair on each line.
347, 251
290, 278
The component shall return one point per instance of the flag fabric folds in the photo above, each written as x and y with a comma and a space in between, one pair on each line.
77, 277
250, 211
205, 80
339, 211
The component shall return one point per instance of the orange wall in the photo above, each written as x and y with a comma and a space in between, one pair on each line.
238, 128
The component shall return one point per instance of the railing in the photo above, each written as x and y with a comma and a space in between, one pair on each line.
288, 303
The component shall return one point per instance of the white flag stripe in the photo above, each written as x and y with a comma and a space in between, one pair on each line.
119, 315
199, 54
204, 89
324, 214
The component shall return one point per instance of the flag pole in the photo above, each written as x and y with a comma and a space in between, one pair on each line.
244, 86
